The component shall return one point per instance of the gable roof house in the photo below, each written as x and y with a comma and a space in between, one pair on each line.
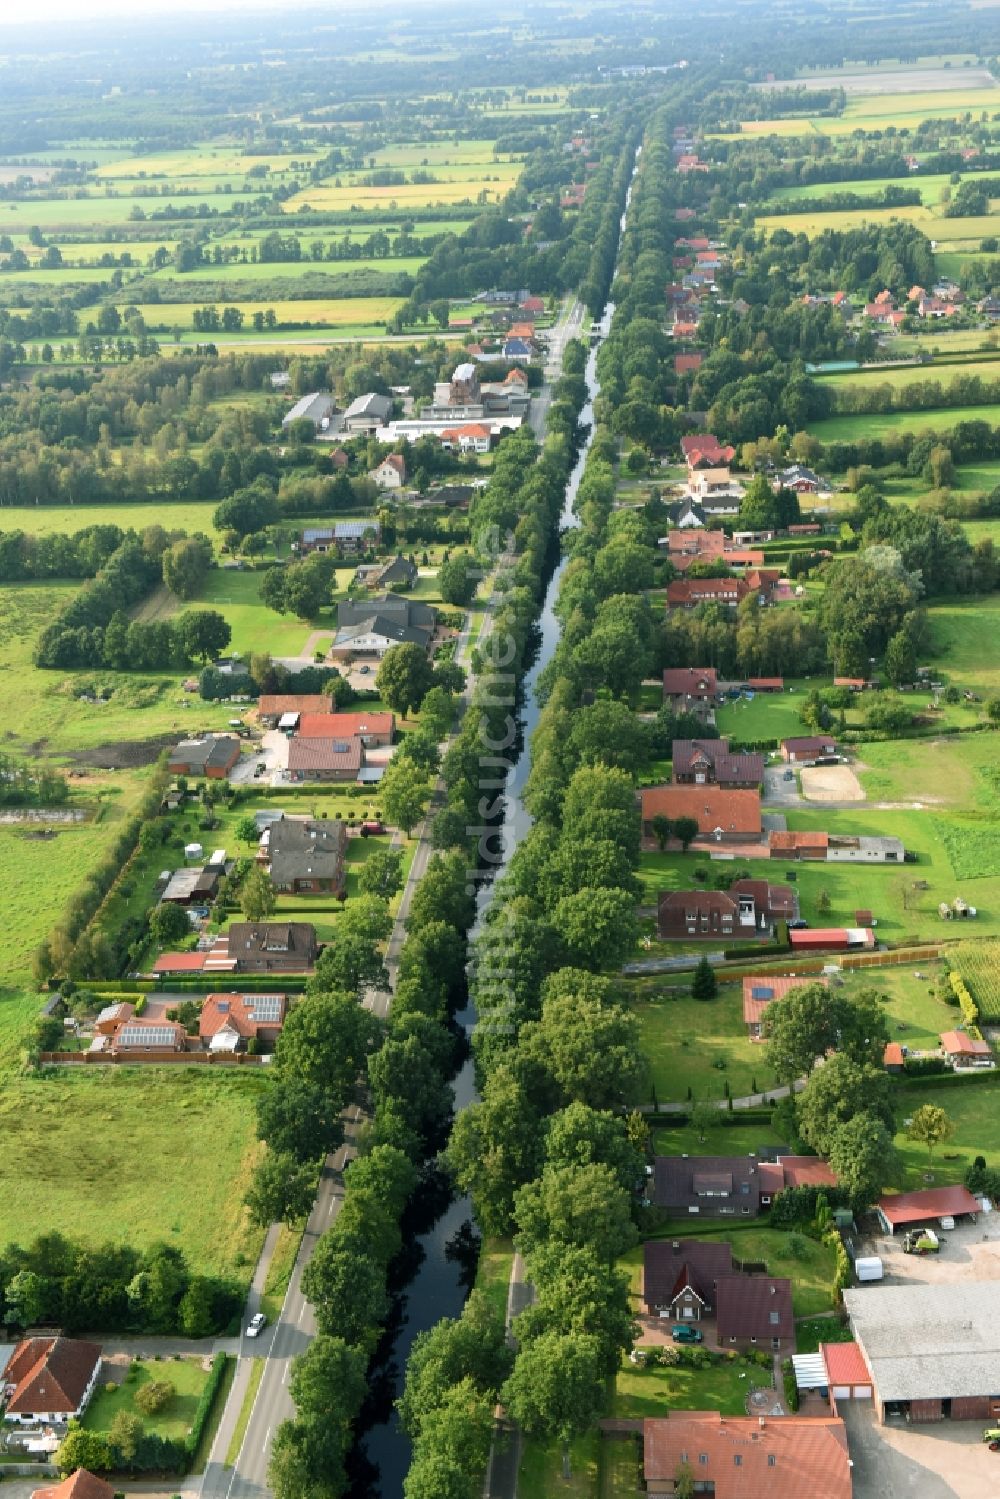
320, 759
755, 1311
680, 1276
273, 706
748, 909
346, 536
373, 626
372, 729
688, 593
398, 572
725, 1186
760, 990
710, 762
307, 857
805, 749
139, 1036
228, 1022
270, 947
79, 1485
49, 1380
722, 816
691, 689
702, 450
748, 1457
391, 472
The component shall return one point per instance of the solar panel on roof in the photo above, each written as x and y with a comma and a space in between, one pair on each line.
146, 1035
267, 1007
340, 746
761, 991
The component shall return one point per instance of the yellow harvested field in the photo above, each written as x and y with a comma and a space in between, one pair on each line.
876, 111
200, 161
342, 312
415, 195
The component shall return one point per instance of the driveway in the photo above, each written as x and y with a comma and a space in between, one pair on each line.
943, 1460
968, 1252
272, 751
777, 791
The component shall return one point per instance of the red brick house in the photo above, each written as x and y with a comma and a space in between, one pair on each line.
688, 593
747, 909
807, 748
710, 762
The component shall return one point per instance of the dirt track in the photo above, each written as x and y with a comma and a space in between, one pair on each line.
831, 783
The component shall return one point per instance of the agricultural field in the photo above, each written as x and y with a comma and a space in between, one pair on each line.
929, 188
900, 377
358, 316
856, 427
114, 1176
979, 965
877, 110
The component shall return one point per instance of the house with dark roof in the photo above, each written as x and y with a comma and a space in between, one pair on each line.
722, 816
373, 626
323, 759
306, 856
749, 908
747, 1457
755, 1311
347, 536
806, 749
79, 1485
710, 762
269, 947
398, 572
680, 1276
213, 756
731, 1186
49, 1381
691, 689
229, 1022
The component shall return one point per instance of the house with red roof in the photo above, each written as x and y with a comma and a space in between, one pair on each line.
391, 472
79, 1485
688, 593
761, 990
747, 1457
230, 1022
49, 1381
687, 364
907, 1209
473, 437
702, 450
965, 1051
722, 816
691, 689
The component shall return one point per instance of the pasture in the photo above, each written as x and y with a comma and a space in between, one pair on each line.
901, 376
284, 271
348, 315
878, 110
122, 1172
857, 427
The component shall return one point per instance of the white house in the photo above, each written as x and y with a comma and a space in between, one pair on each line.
49, 1380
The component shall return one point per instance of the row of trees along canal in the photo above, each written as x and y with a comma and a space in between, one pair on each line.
360, 1271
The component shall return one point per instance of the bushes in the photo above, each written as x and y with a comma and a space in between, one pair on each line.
966, 1003
790, 1386
204, 1410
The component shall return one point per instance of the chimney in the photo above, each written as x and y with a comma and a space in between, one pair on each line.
760, 1420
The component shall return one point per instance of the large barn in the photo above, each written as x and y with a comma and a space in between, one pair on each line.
933, 1350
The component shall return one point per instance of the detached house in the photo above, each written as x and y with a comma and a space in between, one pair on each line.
229, 1022
702, 450
717, 1186
746, 1457
747, 909
79, 1485
306, 857
688, 593
722, 816
269, 947
49, 1381
391, 472
691, 689
710, 762
760, 990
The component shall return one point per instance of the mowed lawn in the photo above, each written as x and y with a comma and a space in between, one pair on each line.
987, 369
45, 520
854, 428
133, 1155
974, 1110
188, 1377
769, 715
693, 1044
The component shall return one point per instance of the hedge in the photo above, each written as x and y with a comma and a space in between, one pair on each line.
204, 1410
950, 1079
968, 1006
